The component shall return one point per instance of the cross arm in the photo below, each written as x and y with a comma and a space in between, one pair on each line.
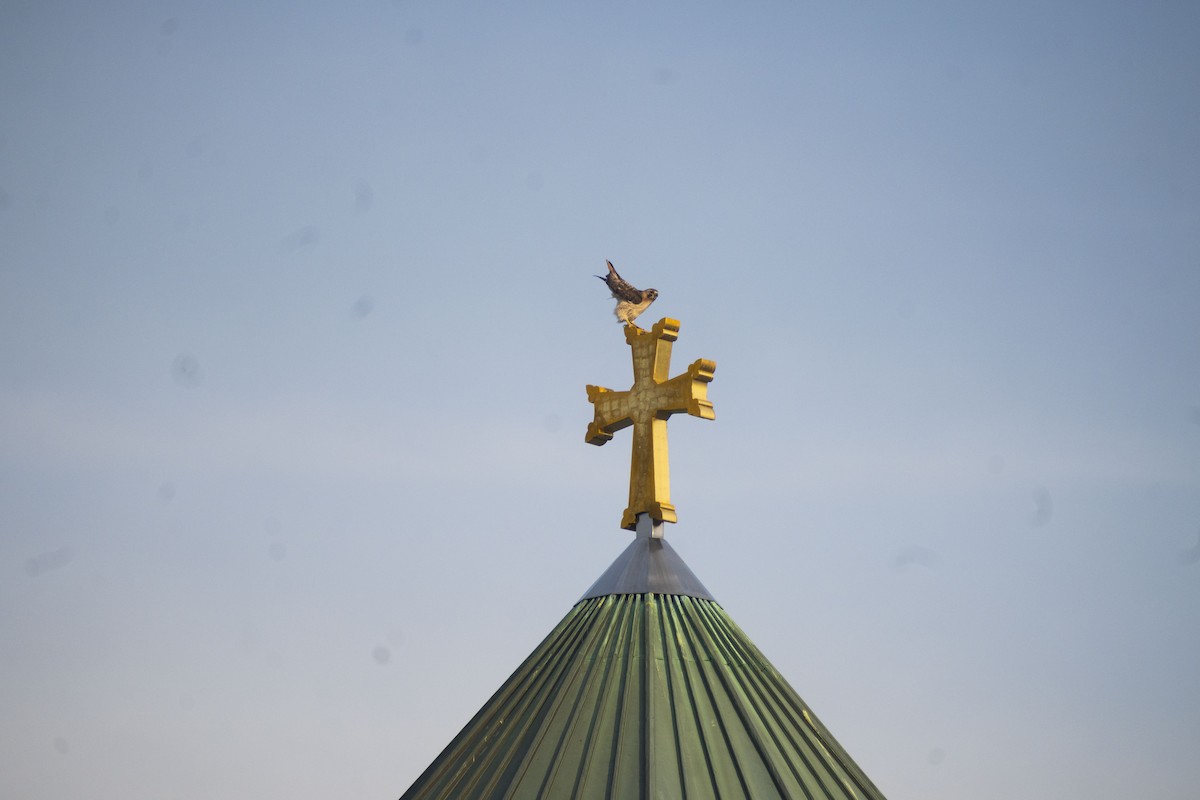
688, 392
612, 414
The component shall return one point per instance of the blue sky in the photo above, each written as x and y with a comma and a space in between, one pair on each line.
296, 312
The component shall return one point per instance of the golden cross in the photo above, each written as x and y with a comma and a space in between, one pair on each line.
646, 407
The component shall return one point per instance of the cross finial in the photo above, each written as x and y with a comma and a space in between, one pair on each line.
646, 406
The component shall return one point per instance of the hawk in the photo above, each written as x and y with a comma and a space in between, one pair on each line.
631, 302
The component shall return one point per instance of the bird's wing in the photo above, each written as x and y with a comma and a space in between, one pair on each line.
621, 288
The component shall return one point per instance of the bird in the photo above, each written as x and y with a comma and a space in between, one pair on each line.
631, 302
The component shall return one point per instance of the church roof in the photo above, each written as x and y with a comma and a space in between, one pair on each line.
645, 694
646, 689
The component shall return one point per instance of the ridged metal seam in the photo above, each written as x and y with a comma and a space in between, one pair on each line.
644, 696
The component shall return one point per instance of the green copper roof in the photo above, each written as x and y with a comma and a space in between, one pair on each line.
645, 696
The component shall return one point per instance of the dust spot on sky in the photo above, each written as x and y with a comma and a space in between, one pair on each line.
61, 745
247, 641
914, 555
362, 307
185, 370
47, 562
936, 756
112, 215
1194, 414
1192, 554
166, 491
1043, 506
277, 551
301, 237
364, 197
166, 29
535, 181
995, 464
381, 654
665, 76
414, 36
552, 423
196, 147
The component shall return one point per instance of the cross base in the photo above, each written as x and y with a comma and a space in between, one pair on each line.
658, 512
649, 528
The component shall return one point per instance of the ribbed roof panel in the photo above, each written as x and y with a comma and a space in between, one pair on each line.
645, 696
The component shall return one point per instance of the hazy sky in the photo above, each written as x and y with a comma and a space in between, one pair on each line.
296, 315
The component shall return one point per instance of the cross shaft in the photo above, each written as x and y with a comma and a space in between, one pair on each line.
646, 406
